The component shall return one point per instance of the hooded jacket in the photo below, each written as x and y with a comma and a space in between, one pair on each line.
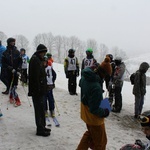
139, 88
91, 96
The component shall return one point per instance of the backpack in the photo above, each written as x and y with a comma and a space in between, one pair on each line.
132, 77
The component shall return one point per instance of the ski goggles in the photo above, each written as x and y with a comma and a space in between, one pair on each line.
143, 119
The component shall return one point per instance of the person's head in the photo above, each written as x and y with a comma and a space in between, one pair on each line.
22, 51
41, 50
110, 56
71, 53
49, 55
144, 119
11, 42
118, 60
104, 69
89, 52
45, 61
143, 67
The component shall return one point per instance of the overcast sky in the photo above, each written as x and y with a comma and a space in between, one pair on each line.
122, 23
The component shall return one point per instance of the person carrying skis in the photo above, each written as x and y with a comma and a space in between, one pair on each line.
91, 113
25, 61
71, 68
49, 97
11, 61
117, 84
38, 88
89, 60
139, 88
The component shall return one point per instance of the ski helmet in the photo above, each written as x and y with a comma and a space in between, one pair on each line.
71, 51
89, 50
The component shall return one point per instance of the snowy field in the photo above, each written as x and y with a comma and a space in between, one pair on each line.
17, 126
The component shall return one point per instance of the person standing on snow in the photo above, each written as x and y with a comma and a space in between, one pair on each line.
91, 96
11, 61
118, 84
139, 88
89, 60
49, 97
25, 61
38, 88
71, 68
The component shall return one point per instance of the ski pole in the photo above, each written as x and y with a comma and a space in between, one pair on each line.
57, 108
10, 88
26, 96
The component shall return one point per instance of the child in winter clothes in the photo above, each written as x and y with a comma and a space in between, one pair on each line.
91, 96
51, 77
139, 88
25, 60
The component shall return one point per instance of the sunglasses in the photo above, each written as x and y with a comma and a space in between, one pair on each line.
143, 119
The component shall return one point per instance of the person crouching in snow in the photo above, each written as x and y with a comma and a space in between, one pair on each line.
51, 77
91, 113
12, 62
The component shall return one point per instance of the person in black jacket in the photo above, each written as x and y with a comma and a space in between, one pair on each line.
38, 88
11, 63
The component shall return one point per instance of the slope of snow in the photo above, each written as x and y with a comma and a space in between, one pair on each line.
17, 126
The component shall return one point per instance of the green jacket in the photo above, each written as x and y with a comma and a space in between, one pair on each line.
91, 96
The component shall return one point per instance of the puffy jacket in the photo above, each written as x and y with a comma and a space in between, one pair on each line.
91, 96
37, 76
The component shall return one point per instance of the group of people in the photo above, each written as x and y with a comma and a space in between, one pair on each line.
41, 82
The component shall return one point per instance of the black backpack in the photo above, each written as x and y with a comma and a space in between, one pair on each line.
132, 77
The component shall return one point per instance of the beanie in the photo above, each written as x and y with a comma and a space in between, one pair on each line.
9, 40
89, 50
41, 48
105, 68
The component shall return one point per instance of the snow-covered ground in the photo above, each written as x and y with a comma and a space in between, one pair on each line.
17, 126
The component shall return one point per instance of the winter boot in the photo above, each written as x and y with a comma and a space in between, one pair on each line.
17, 101
11, 99
46, 114
52, 113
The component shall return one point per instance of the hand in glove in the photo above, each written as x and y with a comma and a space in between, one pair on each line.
13, 71
106, 113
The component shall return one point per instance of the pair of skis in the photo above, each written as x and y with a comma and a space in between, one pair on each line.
48, 123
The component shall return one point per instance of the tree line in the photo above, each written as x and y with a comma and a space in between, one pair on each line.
59, 45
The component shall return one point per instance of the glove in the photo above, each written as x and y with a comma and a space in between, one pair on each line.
106, 113
13, 71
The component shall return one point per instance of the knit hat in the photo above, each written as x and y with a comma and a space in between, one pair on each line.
89, 50
41, 48
9, 40
105, 68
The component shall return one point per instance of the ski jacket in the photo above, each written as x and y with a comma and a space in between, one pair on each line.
71, 64
25, 61
11, 59
88, 62
2, 49
50, 61
119, 74
91, 96
37, 76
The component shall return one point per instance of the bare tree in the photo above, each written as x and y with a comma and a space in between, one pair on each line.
22, 42
102, 52
3, 37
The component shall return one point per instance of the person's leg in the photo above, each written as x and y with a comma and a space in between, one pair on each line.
51, 103
141, 105
136, 106
74, 84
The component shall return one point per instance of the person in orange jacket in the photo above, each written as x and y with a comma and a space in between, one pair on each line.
50, 59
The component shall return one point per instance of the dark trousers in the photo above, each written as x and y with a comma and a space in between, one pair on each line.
72, 82
38, 102
50, 99
118, 98
24, 75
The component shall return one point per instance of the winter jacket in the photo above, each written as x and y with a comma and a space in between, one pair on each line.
118, 74
11, 59
91, 96
37, 76
139, 88
2, 49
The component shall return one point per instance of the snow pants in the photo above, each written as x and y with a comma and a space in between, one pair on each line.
38, 103
72, 81
94, 138
138, 105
